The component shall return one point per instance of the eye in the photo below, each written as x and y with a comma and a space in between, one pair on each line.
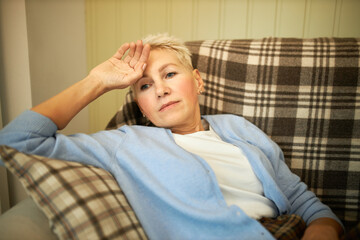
170, 74
144, 87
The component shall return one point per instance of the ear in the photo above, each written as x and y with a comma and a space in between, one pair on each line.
199, 81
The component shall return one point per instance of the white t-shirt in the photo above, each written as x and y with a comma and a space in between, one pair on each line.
238, 183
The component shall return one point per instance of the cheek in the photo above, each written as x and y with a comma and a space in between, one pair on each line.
188, 88
144, 104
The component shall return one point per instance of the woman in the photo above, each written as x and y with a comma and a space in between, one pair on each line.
191, 176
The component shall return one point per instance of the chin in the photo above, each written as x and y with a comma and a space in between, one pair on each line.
170, 121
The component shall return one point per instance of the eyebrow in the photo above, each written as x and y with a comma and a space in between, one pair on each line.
166, 65
162, 68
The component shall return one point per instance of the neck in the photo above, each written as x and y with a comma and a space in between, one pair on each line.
196, 127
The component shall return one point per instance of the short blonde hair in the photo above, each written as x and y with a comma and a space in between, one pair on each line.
165, 42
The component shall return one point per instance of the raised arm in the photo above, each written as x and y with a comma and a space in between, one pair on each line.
118, 72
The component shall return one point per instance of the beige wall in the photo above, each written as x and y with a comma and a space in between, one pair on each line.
57, 51
110, 23
43, 51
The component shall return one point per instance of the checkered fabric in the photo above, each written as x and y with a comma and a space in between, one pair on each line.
303, 93
80, 201
285, 227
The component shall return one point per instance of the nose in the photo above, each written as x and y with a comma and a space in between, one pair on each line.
162, 89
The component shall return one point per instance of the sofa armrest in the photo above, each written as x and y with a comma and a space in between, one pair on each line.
25, 221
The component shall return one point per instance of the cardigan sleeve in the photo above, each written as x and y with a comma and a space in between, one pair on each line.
34, 133
303, 202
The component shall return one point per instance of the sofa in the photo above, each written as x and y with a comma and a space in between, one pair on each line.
303, 93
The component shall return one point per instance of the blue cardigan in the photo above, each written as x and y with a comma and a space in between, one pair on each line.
174, 193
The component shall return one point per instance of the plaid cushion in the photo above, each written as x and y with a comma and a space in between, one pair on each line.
304, 93
80, 201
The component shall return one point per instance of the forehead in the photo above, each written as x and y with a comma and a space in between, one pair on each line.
160, 57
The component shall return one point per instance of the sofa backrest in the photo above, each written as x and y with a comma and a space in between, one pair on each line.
303, 93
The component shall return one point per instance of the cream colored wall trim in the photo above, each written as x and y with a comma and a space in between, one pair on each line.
15, 87
4, 187
110, 23
57, 51
4, 191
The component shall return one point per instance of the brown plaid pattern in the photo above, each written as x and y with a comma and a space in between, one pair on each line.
304, 93
80, 201
285, 227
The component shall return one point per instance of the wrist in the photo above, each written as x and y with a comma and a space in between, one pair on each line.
95, 85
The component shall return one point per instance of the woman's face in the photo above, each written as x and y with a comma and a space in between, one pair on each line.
168, 93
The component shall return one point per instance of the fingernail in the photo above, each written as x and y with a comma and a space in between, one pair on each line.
144, 66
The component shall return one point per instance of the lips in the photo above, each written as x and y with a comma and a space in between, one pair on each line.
167, 105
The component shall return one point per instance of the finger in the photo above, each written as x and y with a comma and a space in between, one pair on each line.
141, 64
145, 53
139, 48
121, 51
131, 53
132, 49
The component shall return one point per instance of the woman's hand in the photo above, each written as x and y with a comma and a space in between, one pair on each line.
121, 71
323, 228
